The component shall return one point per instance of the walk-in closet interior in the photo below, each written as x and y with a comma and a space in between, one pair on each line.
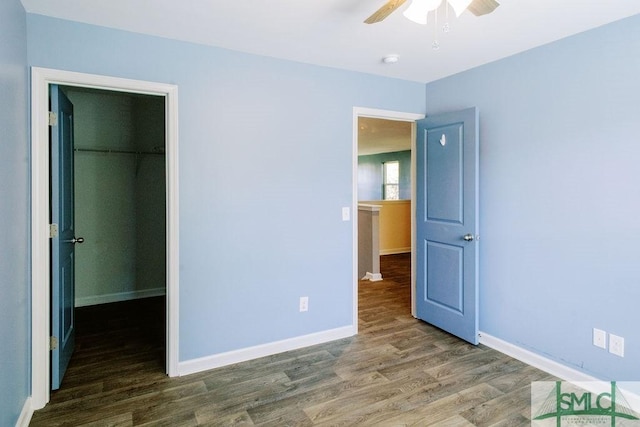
120, 197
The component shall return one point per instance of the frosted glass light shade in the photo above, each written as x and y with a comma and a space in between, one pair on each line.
459, 6
419, 9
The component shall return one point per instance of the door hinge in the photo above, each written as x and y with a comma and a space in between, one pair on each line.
53, 230
53, 119
53, 343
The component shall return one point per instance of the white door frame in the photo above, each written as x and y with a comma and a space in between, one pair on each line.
388, 115
41, 78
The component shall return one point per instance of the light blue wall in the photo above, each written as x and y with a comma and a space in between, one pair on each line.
14, 214
265, 167
370, 174
265, 163
560, 194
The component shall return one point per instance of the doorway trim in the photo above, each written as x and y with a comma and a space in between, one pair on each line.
388, 115
41, 78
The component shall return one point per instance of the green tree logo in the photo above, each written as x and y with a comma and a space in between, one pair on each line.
577, 406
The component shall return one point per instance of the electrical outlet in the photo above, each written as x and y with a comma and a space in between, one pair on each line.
304, 304
599, 338
616, 345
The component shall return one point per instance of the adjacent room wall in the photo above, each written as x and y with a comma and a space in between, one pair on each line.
265, 167
395, 225
15, 302
559, 195
370, 176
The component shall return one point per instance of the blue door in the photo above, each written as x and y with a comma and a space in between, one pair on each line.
62, 244
447, 222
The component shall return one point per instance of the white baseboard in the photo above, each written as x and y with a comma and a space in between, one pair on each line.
119, 296
242, 355
394, 251
530, 358
587, 382
26, 414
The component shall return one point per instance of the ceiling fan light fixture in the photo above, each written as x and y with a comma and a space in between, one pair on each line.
459, 6
419, 9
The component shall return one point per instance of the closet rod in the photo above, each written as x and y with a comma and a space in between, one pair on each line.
103, 150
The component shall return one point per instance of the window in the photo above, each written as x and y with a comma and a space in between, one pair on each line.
391, 180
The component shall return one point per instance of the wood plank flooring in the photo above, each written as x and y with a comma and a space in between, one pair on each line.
397, 372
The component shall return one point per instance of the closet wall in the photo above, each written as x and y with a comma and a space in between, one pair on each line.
119, 198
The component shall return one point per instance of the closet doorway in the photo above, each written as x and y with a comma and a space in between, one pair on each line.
119, 172
42, 79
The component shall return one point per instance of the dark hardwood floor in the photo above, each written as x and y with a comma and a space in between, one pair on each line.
397, 371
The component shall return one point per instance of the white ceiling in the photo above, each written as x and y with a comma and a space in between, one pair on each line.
331, 32
382, 136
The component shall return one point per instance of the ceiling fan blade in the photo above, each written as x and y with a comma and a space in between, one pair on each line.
384, 11
482, 7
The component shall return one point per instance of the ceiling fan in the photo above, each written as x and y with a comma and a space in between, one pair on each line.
477, 7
